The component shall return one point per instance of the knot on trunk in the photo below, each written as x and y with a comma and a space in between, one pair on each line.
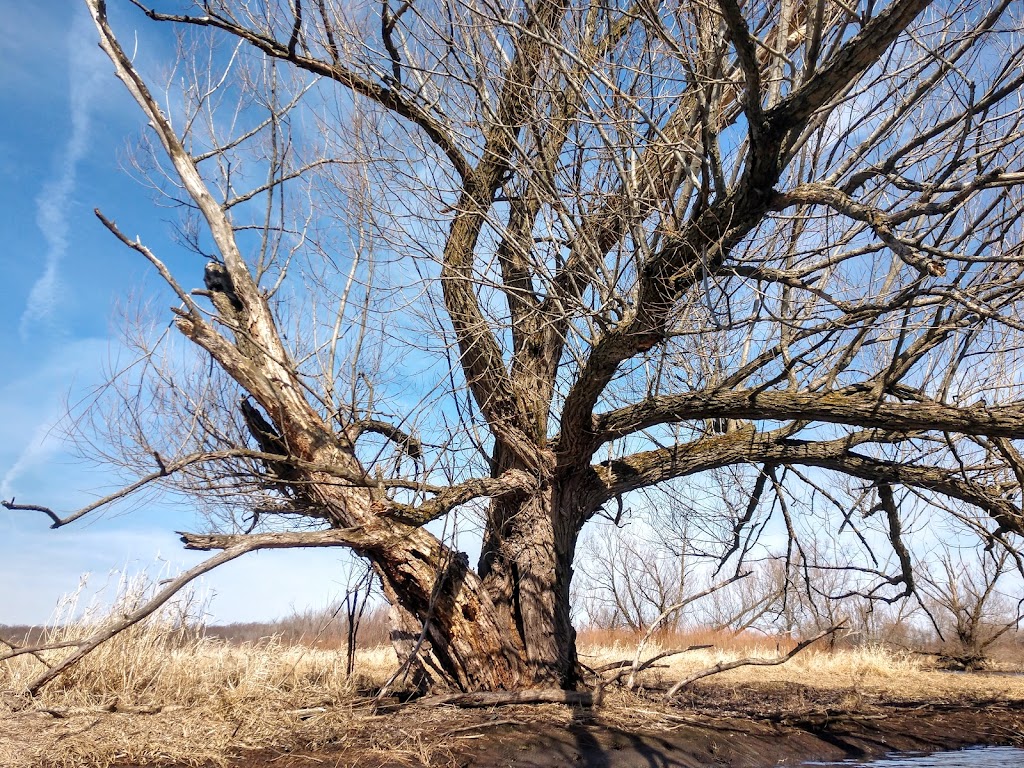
222, 289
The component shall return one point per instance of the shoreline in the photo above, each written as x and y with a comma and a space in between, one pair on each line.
747, 742
677, 738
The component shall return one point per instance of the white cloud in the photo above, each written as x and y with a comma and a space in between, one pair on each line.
41, 448
55, 198
32, 404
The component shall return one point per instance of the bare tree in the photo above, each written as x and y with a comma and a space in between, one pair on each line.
629, 582
358, 591
530, 257
969, 608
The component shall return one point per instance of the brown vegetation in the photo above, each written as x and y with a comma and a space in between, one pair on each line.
164, 692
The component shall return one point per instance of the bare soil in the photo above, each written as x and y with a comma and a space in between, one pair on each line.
747, 726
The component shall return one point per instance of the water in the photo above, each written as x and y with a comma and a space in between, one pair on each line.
976, 757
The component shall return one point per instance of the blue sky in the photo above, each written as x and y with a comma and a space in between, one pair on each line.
66, 126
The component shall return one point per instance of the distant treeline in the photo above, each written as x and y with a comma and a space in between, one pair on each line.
317, 628
323, 628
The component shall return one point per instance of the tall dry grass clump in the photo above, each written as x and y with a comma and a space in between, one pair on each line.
169, 693
168, 658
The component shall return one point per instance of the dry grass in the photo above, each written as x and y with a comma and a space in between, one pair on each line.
874, 670
163, 693
146, 699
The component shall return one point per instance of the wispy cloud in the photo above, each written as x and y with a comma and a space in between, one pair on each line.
85, 72
30, 405
42, 447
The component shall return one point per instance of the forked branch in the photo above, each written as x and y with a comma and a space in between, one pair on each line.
724, 666
638, 667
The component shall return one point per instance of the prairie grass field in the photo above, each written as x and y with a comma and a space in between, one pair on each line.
166, 692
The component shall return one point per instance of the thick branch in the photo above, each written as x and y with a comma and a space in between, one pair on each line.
854, 408
880, 222
358, 537
482, 361
255, 376
746, 54
948, 482
702, 245
746, 445
848, 65
408, 443
509, 483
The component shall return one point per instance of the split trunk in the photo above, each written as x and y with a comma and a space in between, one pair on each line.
505, 626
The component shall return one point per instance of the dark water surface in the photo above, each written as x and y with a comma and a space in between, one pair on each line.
978, 757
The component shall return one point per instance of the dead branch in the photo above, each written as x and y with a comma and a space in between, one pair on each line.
630, 665
637, 666
507, 698
724, 666
166, 468
89, 644
335, 537
35, 650
408, 443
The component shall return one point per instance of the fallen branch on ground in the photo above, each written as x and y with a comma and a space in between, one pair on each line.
637, 667
634, 668
723, 666
504, 698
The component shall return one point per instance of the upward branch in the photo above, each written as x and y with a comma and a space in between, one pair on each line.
390, 98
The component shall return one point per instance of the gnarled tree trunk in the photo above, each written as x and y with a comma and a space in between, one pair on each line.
526, 568
508, 627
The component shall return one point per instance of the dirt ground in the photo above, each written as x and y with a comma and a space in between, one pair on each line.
734, 727
740, 742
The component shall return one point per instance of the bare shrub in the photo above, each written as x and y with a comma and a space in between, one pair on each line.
968, 602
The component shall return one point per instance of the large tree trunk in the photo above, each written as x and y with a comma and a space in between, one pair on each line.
526, 568
445, 625
507, 628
